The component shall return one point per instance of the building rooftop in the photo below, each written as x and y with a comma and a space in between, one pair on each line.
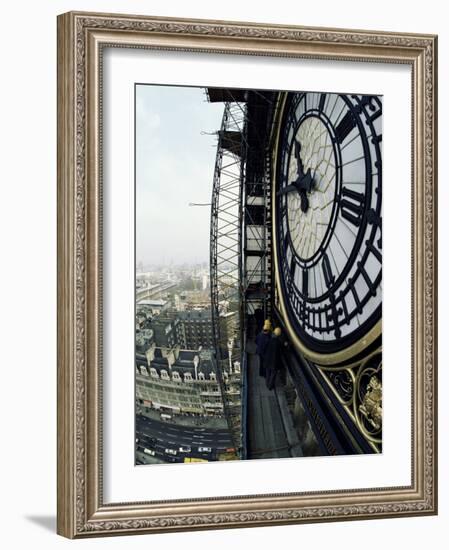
153, 303
187, 355
195, 314
184, 363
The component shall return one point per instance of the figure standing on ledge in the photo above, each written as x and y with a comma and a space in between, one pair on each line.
262, 341
273, 358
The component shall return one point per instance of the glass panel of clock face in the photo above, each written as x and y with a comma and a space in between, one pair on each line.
328, 199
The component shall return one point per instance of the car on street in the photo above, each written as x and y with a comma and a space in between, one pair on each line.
185, 449
204, 450
173, 452
149, 452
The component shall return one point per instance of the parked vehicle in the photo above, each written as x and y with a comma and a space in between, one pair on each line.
185, 449
173, 452
149, 452
204, 450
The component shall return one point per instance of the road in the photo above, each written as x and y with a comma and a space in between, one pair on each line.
160, 436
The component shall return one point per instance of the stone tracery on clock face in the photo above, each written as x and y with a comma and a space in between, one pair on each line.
307, 230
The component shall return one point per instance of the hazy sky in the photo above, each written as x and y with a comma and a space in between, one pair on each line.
174, 166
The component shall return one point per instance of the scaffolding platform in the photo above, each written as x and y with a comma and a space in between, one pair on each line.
269, 429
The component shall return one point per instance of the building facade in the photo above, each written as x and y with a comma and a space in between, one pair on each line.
197, 328
169, 332
179, 382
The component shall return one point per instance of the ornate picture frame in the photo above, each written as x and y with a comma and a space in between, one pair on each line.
82, 38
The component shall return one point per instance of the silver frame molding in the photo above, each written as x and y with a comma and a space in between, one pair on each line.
81, 37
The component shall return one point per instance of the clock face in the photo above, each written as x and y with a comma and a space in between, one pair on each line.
328, 204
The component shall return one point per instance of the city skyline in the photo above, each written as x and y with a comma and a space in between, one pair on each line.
179, 390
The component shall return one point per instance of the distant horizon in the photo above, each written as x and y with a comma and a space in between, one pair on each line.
171, 264
176, 145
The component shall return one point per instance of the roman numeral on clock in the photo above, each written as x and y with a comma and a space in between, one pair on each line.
305, 283
293, 121
321, 103
351, 206
327, 271
376, 252
368, 281
345, 307
334, 317
297, 150
345, 127
302, 311
282, 208
293, 269
355, 295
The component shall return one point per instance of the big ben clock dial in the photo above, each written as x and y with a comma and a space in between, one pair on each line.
327, 202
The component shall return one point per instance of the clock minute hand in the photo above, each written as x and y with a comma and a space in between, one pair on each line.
294, 186
303, 184
304, 181
300, 166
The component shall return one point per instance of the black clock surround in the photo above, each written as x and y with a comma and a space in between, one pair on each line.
337, 314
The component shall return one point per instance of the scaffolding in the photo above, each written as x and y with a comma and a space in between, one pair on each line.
257, 252
257, 244
225, 260
240, 252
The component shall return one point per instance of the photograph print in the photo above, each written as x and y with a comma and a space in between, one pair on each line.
258, 274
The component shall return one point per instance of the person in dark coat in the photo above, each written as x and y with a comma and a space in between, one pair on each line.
258, 316
273, 358
262, 341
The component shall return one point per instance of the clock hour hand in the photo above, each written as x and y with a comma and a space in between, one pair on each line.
302, 184
305, 182
287, 189
302, 194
